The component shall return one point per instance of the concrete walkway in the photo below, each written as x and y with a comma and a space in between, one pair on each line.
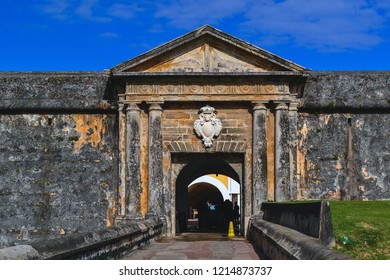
196, 246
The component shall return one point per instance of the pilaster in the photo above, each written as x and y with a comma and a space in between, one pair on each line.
293, 117
156, 198
133, 170
122, 161
259, 157
282, 153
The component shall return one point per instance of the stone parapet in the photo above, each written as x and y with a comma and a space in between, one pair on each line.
55, 91
274, 241
311, 218
347, 90
111, 243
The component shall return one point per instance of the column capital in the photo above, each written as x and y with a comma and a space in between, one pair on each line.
293, 106
132, 107
156, 106
121, 106
281, 106
258, 106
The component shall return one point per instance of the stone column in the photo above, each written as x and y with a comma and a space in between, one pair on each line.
293, 117
122, 161
259, 158
133, 170
282, 153
156, 199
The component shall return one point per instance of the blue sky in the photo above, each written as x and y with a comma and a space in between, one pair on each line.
93, 35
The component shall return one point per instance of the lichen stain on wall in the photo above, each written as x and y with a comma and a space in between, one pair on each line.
332, 195
308, 172
366, 174
301, 160
91, 128
378, 179
327, 118
112, 205
144, 144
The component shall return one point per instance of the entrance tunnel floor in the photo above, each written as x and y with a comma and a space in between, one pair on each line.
196, 246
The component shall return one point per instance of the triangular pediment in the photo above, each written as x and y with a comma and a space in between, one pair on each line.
207, 50
206, 59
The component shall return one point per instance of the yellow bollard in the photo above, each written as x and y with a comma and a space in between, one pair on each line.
231, 230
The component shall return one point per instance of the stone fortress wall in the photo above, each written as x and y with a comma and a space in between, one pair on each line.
59, 146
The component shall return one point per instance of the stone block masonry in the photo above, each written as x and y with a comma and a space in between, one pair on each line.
56, 174
343, 156
179, 135
55, 91
82, 151
58, 155
101, 244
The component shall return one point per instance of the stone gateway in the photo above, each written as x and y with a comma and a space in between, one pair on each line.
83, 151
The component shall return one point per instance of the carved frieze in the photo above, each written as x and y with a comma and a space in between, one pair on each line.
208, 126
167, 89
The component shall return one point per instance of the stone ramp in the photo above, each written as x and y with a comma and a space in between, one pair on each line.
196, 246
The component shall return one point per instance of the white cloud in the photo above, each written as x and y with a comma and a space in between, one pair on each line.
92, 10
319, 24
342, 24
190, 14
122, 11
86, 11
56, 8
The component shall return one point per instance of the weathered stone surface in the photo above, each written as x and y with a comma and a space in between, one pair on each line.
277, 242
370, 166
358, 90
55, 91
133, 175
158, 196
282, 153
19, 252
60, 171
310, 218
322, 147
207, 49
179, 135
343, 156
260, 184
109, 243
56, 174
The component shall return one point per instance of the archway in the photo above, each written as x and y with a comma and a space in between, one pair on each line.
203, 191
192, 191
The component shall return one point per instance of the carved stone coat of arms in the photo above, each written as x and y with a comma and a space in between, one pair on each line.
208, 126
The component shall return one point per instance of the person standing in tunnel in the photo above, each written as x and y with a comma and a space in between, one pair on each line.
227, 213
236, 213
202, 209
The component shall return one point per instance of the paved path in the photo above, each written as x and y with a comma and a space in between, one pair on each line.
196, 246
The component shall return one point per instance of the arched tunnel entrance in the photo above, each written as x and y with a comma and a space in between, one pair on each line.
203, 191
206, 189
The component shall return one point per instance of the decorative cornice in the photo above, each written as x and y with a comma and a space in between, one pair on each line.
162, 89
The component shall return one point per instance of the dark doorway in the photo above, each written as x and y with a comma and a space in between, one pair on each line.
196, 196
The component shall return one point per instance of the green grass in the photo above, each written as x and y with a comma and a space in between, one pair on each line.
366, 224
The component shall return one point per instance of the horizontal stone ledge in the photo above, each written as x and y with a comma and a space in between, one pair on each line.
274, 241
383, 108
109, 243
61, 107
209, 74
